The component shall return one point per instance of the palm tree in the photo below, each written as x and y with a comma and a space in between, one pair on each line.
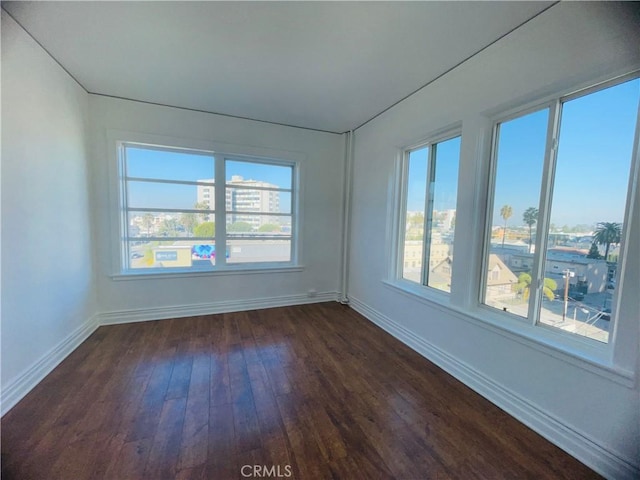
505, 212
524, 286
147, 222
607, 233
530, 217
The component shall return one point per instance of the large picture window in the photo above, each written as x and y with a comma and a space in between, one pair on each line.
430, 186
186, 210
557, 210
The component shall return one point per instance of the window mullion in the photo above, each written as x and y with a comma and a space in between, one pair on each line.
491, 191
295, 246
124, 208
401, 220
220, 234
544, 213
428, 214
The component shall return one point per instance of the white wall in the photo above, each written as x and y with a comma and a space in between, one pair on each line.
592, 412
48, 297
321, 158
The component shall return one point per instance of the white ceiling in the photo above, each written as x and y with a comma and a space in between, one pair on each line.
321, 65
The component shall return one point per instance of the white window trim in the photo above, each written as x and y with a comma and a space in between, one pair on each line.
244, 269
224, 151
399, 212
549, 157
554, 104
614, 360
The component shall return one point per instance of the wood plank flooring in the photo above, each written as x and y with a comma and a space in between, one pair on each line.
308, 392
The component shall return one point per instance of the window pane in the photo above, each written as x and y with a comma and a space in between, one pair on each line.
181, 254
258, 251
241, 224
170, 224
258, 210
414, 226
516, 197
443, 190
258, 174
166, 165
259, 201
588, 207
169, 195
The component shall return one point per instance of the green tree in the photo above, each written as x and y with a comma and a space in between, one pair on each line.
415, 226
530, 217
416, 220
240, 227
189, 222
205, 230
202, 206
270, 227
524, 286
607, 233
169, 227
505, 212
594, 252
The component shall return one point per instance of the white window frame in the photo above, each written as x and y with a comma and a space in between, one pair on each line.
221, 153
554, 104
401, 216
614, 360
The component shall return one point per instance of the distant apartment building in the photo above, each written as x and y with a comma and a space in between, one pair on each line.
589, 275
245, 197
412, 260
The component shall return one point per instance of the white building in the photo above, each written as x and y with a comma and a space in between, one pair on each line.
247, 197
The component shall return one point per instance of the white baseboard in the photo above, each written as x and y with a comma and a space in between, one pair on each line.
599, 458
23, 384
178, 311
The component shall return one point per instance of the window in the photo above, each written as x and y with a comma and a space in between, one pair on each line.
558, 195
178, 215
430, 187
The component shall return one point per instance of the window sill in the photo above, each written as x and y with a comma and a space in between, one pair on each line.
173, 273
584, 353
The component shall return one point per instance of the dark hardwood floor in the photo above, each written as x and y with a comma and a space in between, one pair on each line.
308, 392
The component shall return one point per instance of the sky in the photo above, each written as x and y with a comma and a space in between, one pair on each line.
446, 176
592, 166
593, 162
167, 165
